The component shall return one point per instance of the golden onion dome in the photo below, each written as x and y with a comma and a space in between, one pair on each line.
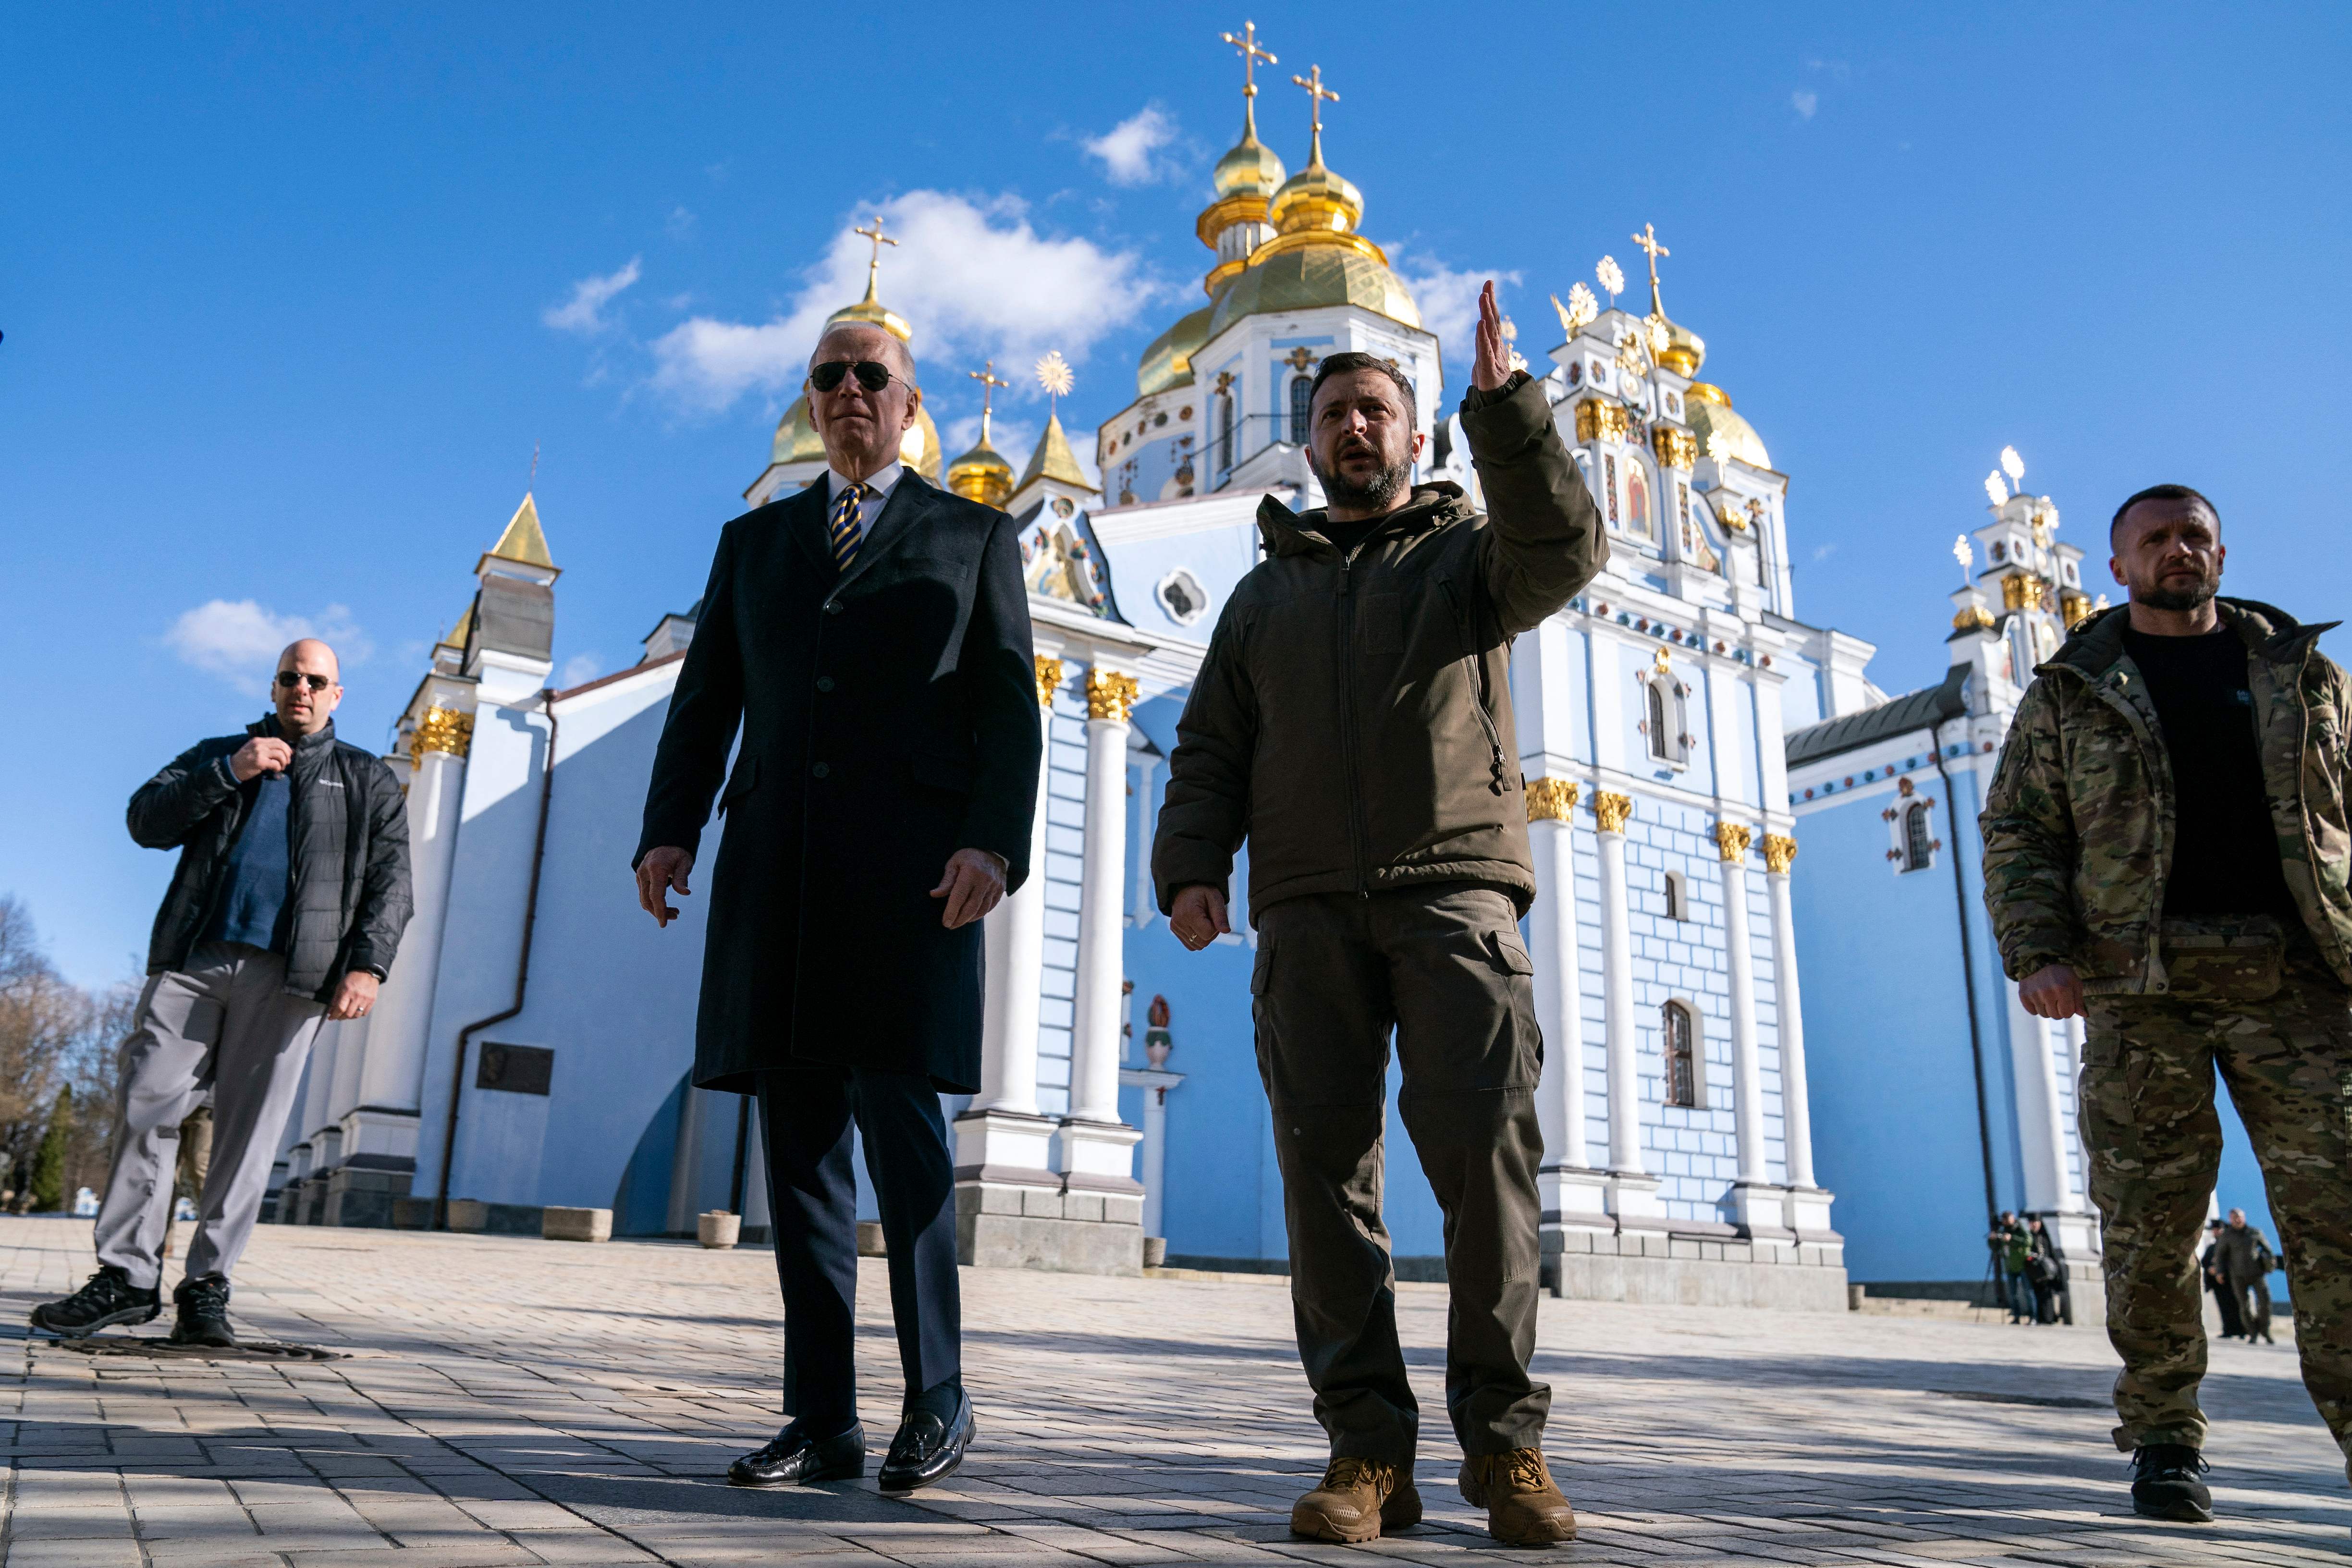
796, 438
1708, 409
920, 447
982, 474
1301, 271
1316, 200
1684, 351
1168, 363
873, 313
1249, 168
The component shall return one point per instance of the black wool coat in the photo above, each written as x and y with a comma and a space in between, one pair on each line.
889, 717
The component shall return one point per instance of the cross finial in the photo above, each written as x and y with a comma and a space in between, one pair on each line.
989, 382
1648, 240
1316, 93
1252, 55
873, 266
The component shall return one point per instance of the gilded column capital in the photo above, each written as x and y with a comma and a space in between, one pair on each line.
1731, 839
1109, 694
1049, 680
443, 729
1551, 800
1675, 448
1611, 811
1780, 853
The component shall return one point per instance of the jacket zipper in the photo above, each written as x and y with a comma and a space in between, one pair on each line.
1477, 669
1347, 635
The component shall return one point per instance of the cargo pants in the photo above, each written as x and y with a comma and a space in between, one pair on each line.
1446, 970
2282, 1043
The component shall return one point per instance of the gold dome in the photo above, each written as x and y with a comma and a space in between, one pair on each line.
1169, 361
796, 439
1316, 200
873, 313
982, 474
1250, 168
920, 447
1684, 351
1708, 409
1301, 271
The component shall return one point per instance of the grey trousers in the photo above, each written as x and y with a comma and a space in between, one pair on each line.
225, 1023
1444, 969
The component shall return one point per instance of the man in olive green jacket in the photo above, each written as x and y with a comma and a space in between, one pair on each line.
1353, 720
2167, 851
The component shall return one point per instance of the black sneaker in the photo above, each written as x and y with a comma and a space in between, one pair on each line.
109, 1298
203, 1313
2165, 1484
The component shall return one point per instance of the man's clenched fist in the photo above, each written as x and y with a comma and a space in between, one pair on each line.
262, 754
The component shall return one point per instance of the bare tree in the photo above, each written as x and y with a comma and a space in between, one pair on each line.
52, 1034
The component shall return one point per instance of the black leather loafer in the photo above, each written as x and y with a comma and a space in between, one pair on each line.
791, 1458
926, 1451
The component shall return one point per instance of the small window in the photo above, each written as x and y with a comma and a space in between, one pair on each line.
1661, 738
1682, 1056
1300, 388
1675, 908
1182, 595
1918, 843
1225, 431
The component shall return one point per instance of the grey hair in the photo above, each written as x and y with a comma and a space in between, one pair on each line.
899, 351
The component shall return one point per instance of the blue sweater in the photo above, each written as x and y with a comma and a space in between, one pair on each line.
251, 905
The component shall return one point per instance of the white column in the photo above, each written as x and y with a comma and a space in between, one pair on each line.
2041, 1127
1096, 1147
1632, 1192
1796, 1103
1101, 940
1746, 1068
1551, 926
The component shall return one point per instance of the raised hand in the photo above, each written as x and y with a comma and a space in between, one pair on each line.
262, 754
1492, 366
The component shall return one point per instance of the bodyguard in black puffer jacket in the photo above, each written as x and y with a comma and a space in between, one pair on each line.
285, 913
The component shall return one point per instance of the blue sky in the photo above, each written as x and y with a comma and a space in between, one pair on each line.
291, 293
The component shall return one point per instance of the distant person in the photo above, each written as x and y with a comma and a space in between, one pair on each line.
2045, 1268
1352, 720
285, 912
2011, 1248
2246, 1263
868, 637
2167, 851
2225, 1300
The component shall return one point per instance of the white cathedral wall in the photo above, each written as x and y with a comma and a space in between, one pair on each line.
1065, 826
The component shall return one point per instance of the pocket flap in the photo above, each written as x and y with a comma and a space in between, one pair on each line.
1509, 952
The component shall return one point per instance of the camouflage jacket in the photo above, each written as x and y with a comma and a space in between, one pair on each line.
2078, 824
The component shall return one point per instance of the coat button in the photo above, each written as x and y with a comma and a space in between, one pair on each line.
832, 606
824, 683
819, 770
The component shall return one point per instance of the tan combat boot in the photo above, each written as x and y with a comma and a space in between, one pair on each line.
1358, 1499
1523, 1508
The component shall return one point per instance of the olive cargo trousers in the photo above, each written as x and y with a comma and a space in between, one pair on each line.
1445, 968
2154, 1141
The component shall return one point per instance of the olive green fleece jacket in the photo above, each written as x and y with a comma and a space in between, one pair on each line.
1352, 719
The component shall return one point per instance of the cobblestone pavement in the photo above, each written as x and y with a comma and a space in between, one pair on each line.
517, 1402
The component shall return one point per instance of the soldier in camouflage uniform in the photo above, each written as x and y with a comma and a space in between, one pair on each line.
2167, 850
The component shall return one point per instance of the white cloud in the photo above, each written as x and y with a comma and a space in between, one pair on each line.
1805, 103
1128, 149
238, 639
584, 311
1823, 552
1449, 307
974, 278
580, 669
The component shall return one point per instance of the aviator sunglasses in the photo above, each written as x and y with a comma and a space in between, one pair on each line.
872, 374
291, 678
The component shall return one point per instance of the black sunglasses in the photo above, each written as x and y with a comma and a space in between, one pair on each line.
291, 678
872, 374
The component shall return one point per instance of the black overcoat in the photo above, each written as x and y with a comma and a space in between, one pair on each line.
889, 717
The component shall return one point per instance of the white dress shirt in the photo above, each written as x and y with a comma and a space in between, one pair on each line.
870, 506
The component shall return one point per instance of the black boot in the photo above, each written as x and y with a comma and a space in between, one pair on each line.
203, 1313
109, 1298
2165, 1484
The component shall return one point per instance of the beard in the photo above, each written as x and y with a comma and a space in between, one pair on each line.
1373, 493
2179, 598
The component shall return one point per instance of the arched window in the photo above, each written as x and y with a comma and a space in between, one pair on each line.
1674, 897
1225, 431
1918, 844
1662, 740
1300, 388
1682, 1056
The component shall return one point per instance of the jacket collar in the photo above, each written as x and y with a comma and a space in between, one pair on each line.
1434, 505
2096, 645
267, 725
910, 500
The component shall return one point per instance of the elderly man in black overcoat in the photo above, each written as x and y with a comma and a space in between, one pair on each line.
870, 636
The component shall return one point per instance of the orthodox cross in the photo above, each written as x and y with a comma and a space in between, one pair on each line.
989, 382
873, 266
1252, 56
1316, 95
1648, 240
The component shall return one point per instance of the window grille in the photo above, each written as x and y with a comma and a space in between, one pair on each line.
1682, 1057
1918, 842
1661, 741
1300, 388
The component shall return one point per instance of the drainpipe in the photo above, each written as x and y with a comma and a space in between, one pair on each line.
1968, 974
522, 967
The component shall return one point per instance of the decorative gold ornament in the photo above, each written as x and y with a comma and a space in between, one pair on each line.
1611, 277
1109, 694
1598, 420
1580, 311
1976, 617
2020, 590
1610, 811
2074, 607
1551, 800
1300, 359
2012, 464
1049, 680
1731, 840
1054, 375
1316, 96
1675, 448
1780, 853
443, 729
1997, 492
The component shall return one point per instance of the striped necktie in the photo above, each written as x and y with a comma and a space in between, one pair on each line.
843, 533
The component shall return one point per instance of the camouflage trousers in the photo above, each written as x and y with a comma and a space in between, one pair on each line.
2153, 1139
